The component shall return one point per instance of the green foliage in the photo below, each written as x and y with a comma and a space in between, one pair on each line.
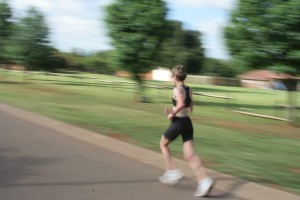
182, 47
264, 34
30, 45
194, 50
93, 62
5, 29
94, 65
218, 67
137, 29
26, 42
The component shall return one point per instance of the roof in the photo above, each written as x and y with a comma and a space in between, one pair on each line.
264, 75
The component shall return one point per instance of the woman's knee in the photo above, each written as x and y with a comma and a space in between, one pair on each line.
164, 142
188, 150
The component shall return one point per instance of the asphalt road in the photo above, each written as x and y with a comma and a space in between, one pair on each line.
37, 163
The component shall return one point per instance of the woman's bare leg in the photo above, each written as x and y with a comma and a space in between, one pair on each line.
194, 161
164, 146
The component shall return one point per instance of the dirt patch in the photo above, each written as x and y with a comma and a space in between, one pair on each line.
295, 170
122, 137
47, 90
13, 82
87, 126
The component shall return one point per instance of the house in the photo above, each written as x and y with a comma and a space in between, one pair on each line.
161, 74
158, 74
264, 79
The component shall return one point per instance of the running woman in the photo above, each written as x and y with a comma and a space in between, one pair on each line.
181, 124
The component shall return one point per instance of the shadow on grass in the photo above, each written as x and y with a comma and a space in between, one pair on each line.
13, 82
232, 105
227, 91
108, 85
222, 104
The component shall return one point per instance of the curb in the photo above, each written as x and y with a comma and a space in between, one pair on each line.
226, 183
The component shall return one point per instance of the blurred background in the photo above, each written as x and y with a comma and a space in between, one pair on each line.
75, 60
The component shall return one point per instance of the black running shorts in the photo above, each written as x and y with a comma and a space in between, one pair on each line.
180, 126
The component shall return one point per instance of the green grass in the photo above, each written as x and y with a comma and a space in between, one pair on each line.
255, 149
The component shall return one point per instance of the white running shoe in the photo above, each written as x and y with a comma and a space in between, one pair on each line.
171, 177
204, 187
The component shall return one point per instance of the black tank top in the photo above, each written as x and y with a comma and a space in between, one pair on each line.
187, 101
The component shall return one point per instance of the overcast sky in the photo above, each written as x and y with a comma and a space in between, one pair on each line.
79, 24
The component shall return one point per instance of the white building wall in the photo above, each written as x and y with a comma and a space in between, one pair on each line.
161, 74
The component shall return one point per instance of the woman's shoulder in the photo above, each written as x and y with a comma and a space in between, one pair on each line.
184, 87
179, 90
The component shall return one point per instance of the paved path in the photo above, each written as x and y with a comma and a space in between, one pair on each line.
42, 158
37, 163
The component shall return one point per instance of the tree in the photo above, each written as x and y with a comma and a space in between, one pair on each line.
218, 67
265, 34
193, 47
137, 28
94, 62
30, 42
172, 51
5, 29
182, 47
97, 63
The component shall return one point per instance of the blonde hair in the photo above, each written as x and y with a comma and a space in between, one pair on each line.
179, 72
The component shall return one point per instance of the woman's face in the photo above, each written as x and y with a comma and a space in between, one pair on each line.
173, 78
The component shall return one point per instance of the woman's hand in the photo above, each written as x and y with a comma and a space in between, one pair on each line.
169, 113
170, 116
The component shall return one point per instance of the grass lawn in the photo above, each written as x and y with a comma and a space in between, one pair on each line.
255, 149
